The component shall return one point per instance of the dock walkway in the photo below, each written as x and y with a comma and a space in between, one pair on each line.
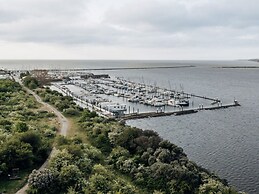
176, 113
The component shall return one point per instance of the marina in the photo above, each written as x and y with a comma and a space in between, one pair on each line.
116, 97
212, 138
141, 97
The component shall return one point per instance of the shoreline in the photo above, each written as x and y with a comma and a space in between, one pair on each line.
122, 68
238, 67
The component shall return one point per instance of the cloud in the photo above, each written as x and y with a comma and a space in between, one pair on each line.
131, 24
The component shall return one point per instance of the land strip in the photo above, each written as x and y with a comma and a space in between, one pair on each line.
238, 67
123, 68
63, 122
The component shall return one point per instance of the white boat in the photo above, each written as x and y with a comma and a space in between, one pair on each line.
172, 102
177, 102
148, 101
183, 103
134, 99
115, 108
158, 102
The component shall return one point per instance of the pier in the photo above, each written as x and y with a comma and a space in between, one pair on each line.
203, 97
156, 114
175, 113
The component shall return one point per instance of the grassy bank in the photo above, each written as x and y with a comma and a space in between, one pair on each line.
27, 132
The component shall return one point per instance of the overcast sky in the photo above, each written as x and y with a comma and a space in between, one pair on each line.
129, 29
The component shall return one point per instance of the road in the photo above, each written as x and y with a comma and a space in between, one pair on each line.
63, 123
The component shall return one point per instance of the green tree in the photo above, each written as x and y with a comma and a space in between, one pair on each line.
70, 176
27, 73
16, 154
215, 187
61, 159
40, 145
99, 183
31, 82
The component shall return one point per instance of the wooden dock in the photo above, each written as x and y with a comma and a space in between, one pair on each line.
175, 113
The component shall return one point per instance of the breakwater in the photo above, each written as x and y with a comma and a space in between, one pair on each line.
176, 113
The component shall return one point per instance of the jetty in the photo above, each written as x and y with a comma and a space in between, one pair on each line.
175, 113
156, 114
222, 106
204, 97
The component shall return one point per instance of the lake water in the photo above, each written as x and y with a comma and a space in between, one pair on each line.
225, 141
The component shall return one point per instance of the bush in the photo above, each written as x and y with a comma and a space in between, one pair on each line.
43, 181
21, 127
31, 82
71, 112
9, 86
40, 146
61, 159
69, 176
16, 154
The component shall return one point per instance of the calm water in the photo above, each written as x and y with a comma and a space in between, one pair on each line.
224, 141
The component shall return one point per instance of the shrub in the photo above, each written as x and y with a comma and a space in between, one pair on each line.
31, 82
69, 176
21, 127
43, 181
16, 154
71, 112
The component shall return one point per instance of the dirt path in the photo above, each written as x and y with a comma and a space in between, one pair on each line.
63, 122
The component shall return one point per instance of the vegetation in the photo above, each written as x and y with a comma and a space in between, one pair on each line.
26, 135
30, 82
24, 74
64, 104
110, 158
117, 158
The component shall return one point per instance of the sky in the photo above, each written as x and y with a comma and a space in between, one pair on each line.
129, 29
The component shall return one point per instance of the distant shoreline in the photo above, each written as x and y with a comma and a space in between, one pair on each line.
254, 60
238, 67
122, 68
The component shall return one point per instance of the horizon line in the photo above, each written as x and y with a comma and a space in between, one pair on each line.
57, 59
